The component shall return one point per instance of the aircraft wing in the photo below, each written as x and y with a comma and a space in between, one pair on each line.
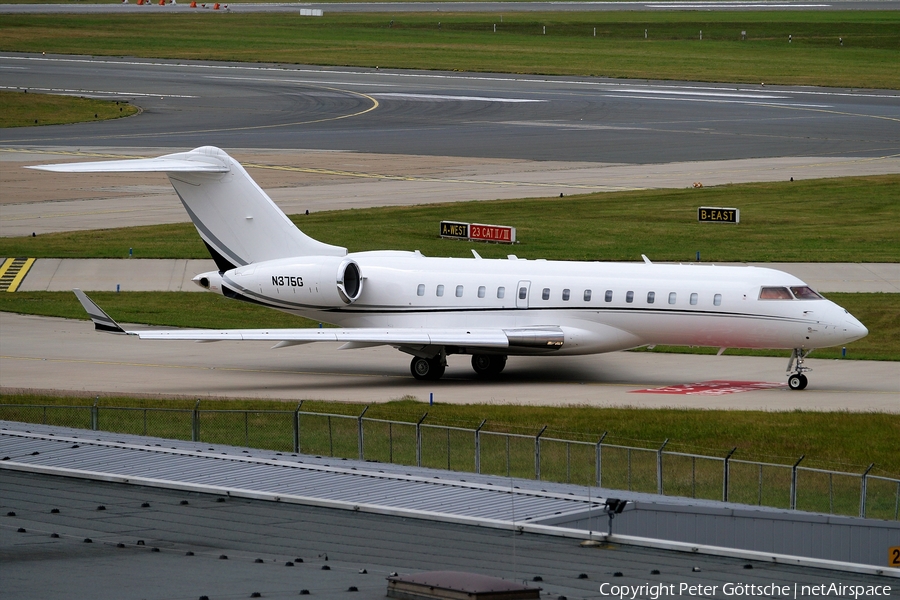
549, 337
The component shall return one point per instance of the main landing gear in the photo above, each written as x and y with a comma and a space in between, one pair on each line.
432, 369
488, 365
797, 380
428, 369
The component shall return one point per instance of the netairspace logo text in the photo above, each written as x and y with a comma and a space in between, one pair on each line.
654, 591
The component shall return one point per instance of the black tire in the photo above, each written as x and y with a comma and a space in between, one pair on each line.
426, 369
797, 381
487, 365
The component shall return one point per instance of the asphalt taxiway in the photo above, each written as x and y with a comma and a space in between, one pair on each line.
69, 356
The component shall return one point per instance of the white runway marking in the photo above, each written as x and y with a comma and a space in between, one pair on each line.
718, 101
306, 81
459, 98
716, 5
723, 94
92, 92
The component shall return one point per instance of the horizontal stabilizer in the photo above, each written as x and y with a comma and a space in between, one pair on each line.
163, 164
102, 321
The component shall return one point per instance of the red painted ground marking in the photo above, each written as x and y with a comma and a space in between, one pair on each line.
712, 388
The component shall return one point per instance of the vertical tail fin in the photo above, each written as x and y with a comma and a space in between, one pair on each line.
236, 219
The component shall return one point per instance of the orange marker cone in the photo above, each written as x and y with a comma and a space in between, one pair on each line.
193, 4
216, 6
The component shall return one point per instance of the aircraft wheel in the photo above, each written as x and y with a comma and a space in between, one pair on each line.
797, 381
426, 369
486, 365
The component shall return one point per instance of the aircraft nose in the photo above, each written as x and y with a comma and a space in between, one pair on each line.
849, 329
856, 329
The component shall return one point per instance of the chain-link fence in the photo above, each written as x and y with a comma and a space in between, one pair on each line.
494, 453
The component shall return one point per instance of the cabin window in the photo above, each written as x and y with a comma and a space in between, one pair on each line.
672, 297
421, 290
694, 299
775, 293
440, 290
608, 296
523, 292
629, 297
565, 295
805, 293
717, 300
651, 297
501, 292
545, 294
587, 295
481, 291
459, 291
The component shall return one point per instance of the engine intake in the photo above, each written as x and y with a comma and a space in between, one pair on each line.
349, 281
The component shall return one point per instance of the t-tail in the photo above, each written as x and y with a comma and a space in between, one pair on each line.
237, 220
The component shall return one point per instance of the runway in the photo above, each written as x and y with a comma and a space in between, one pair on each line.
428, 113
65, 355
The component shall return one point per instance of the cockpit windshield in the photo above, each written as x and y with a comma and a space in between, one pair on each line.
775, 293
805, 293
800, 292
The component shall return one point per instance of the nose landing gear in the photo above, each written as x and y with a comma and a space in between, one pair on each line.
795, 369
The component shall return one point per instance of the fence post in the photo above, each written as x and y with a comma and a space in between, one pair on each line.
537, 453
725, 475
478, 447
195, 423
794, 483
659, 470
297, 428
95, 416
359, 434
598, 461
862, 492
419, 440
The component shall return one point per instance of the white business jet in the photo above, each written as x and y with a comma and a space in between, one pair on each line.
432, 308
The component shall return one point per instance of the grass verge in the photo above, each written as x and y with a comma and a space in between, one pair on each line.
833, 48
845, 220
23, 109
838, 440
879, 312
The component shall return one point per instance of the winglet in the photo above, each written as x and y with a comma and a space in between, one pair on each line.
102, 321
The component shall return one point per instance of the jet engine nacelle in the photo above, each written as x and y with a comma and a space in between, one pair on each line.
309, 281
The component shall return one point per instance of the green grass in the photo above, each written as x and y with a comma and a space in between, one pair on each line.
466, 42
845, 442
842, 220
778, 438
22, 109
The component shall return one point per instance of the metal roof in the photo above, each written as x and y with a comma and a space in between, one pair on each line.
396, 490
285, 477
